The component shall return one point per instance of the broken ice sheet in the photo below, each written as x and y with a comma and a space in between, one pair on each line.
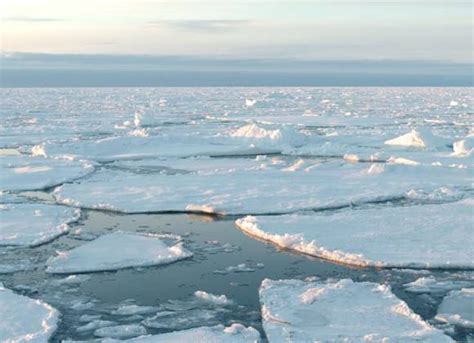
25, 319
323, 186
366, 237
300, 311
457, 308
116, 251
20, 173
34, 224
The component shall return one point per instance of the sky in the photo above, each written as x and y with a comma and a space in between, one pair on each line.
429, 42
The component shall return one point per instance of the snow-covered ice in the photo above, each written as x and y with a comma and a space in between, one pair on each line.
368, 238
19, 173
24, 319
335, 311
236, 333
116, 251
457, 308
34, 224
121, 331
318, 186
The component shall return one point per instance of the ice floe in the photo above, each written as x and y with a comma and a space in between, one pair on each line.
25, 319
382, 237
317, 186
22, 172
121, 331
34, 224
236, 333
432, 285
300, 311
457, 308
115, 251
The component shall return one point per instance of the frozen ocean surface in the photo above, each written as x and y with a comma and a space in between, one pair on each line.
118, 210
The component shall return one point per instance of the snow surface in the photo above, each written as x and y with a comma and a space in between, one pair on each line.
336, 311
318, 186
24, 319
19, 173
458, 308
421, 138
116, 251
368, 238
236, 333
34, 224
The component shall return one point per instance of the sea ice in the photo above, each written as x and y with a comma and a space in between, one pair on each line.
301, 311
115, 251
213, 299
236, 333
367, 237
421, 138
24, 319
457, 308
20, 173
34, 224
318, 186
433, 285
121, 331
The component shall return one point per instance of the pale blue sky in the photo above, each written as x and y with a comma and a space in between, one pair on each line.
259, 30
410, 30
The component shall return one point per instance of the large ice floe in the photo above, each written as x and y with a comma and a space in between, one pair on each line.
116, 251
297, 187
34, 224
457, 308
339, 311
236, 333
24, 319
382, 237
22, 172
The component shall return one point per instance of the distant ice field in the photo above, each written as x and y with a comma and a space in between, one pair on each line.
332, 190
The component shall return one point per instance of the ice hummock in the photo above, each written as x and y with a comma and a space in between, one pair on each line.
116, 251
301, 311
34, 224
457, 308
367, 237
421, 138
20, 172
24, 319
317, 186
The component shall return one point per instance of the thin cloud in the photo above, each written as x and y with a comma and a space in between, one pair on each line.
202, 25
31, 19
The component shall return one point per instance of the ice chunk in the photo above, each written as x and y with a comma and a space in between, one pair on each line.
34, 224
213, 299
21, 172
300, 311
463, 147
121, 331
236, 333
430, 284
367, 237
420, 138
457, 308
115, 251
94, 325
129, 310
253, 131
25, 319
250, 102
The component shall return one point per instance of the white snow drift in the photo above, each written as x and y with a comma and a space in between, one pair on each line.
24, 319
383, 237
115, 251
34, 224
299, 311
